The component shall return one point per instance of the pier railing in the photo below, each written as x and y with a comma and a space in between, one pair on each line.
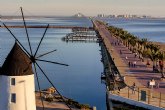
147, 96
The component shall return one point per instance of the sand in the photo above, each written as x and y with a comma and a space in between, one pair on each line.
55, 105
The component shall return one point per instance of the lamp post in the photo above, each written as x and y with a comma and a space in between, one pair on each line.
162, 64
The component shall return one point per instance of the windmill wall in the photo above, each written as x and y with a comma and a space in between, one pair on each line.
24, 90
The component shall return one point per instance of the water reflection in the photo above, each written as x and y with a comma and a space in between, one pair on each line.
81, 80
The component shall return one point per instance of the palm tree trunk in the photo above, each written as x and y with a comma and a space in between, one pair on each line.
162, 72
154, 66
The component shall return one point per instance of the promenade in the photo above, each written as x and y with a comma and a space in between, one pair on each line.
140, 74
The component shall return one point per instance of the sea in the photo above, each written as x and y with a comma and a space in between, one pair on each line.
151, 28
81, 80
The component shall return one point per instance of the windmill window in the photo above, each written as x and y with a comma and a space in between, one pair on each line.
13, 81
13, 98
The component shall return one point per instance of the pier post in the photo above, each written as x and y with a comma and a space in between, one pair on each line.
149, 96
138, 94
128, 92
160, 99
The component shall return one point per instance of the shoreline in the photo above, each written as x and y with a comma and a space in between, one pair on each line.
53, 101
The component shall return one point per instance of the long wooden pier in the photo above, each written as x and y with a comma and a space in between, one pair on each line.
51, 26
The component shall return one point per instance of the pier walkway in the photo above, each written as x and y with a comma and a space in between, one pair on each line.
140, 75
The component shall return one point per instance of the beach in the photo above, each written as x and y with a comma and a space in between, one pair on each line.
55, 105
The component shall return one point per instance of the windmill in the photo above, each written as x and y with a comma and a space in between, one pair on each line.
20, 62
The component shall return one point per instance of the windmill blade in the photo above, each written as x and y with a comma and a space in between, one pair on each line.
52, 85
26, 31
39, 87
46, 53
41, 40
52, 62
16, 39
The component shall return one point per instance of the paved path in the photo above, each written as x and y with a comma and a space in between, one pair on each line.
139, 74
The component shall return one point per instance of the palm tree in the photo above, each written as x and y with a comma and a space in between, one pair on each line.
144, 42
152, 46
133, 42
144, 48
154, 56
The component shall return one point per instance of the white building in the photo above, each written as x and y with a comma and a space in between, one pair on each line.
17, 91
79, 15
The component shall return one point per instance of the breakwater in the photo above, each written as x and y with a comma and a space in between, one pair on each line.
51, 26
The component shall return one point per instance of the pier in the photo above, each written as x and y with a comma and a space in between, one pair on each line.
141, 96
111, 74
81, 36
76, 29
51, 26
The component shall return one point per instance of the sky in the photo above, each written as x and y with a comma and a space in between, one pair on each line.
86, 7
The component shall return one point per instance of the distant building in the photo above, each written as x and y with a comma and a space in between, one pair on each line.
100, 15
79, 15
120, 16
111, 16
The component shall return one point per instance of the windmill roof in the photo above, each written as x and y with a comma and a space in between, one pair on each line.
17, 63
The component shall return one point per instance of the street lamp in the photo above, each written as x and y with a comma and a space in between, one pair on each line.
162, 64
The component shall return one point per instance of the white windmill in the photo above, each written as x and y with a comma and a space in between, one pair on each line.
17, 86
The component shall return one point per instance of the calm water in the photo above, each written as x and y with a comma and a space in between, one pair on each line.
152, 29
81, 80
